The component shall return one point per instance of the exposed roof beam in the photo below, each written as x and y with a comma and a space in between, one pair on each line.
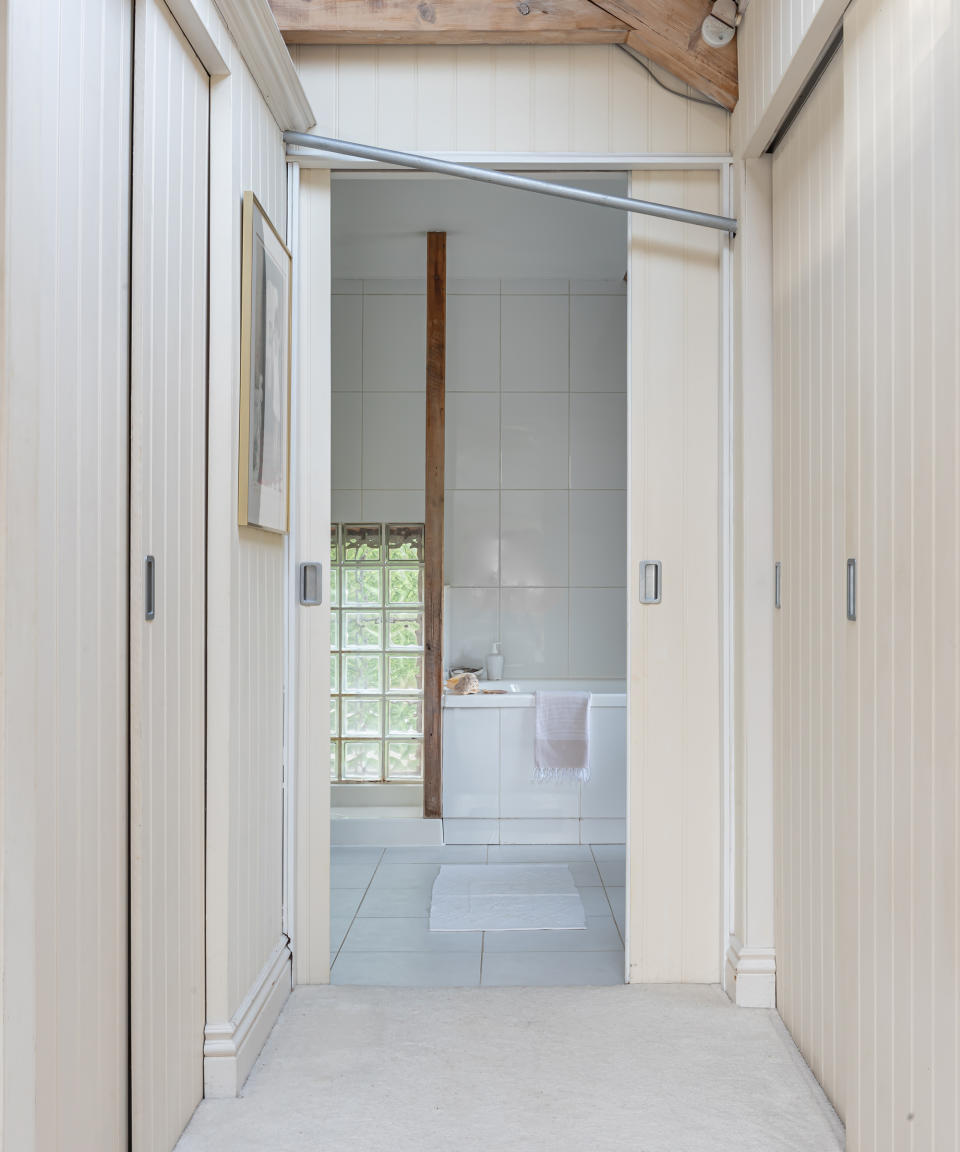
447, 22
668, 33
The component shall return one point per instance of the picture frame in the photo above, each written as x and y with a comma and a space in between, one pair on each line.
266, 328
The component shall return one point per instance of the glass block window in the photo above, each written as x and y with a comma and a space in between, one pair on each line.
376, 652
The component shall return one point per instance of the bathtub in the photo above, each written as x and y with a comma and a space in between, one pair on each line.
489, 793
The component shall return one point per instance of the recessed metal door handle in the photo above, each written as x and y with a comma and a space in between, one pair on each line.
851, 589
777, 603
311, 587
651, 581
149, 588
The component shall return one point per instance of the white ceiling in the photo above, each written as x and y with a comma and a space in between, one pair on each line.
380, 225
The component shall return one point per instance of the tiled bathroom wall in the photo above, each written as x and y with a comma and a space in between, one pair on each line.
536, 457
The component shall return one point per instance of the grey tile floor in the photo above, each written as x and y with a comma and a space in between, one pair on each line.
379, 931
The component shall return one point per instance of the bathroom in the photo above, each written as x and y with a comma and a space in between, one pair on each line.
534, 517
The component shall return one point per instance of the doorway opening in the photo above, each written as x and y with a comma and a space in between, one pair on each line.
534, 563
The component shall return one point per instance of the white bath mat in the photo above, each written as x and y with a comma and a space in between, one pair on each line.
505, 898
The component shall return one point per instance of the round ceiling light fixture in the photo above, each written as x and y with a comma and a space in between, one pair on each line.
720, 25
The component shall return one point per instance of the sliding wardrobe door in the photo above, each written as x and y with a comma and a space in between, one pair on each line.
810, 721
167, 576
674, 929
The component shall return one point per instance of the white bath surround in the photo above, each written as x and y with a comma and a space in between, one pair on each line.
489, 793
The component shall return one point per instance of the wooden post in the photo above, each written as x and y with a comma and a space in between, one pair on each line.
433, 545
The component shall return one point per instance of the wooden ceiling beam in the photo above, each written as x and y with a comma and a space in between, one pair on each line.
447, 22
668, 33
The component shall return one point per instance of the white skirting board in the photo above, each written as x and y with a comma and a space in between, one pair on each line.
751, 976
231, 1049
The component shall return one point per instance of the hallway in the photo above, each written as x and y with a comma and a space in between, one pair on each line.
652, 1068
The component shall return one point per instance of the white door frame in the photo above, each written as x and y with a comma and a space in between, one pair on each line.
559, 162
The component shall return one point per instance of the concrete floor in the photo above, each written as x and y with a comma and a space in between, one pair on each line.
643, 1068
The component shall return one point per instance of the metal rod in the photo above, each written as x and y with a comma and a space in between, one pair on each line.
510, 180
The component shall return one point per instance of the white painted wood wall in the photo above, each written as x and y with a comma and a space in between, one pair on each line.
506, 99
66, 138
808, 294
673, 657
868, 380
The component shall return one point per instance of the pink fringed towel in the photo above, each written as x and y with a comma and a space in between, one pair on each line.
562, 743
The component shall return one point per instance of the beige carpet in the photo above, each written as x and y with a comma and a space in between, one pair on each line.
651, 1068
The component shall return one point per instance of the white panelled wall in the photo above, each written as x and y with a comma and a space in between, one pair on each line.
505, 99
866, 298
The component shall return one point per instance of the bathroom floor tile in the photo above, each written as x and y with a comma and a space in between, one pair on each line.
407, 934
614, 873
407, 969
551, 969
356, 854
441, 854
584, 873
338, 931
351, 875
344, 902
397, 901
605, 852
537, 853
390, 875
618, 903
600, 935
595, 902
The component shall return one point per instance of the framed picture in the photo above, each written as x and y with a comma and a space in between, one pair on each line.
265, 333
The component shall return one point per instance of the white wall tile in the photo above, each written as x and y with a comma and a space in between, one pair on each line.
598, 632
464, 287
598, 539
472, 539
525, 287
534, 539
534, 440
520, 795
601, 831
400, 506
345, 505
347, 343
393, 440
534, 343
472, 433
394, 343
598, 343
473, 624
471, 762
534, 631
346, 420
598, 441
604, 795
473, 343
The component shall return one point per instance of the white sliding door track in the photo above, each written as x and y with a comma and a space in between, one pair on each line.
425, 163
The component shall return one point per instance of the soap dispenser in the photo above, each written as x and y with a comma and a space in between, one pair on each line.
494, 663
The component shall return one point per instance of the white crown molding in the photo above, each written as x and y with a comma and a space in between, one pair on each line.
230, 1049
751, 976
254, 30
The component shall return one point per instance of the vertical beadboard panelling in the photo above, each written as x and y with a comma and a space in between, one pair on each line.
511, 98
778, 43
674, 657
168, 514
245, 577
808, 270
63, 573
312, 423
903, 369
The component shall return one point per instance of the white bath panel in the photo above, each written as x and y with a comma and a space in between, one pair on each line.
385, 831
471, 831
597, 831
539, 831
